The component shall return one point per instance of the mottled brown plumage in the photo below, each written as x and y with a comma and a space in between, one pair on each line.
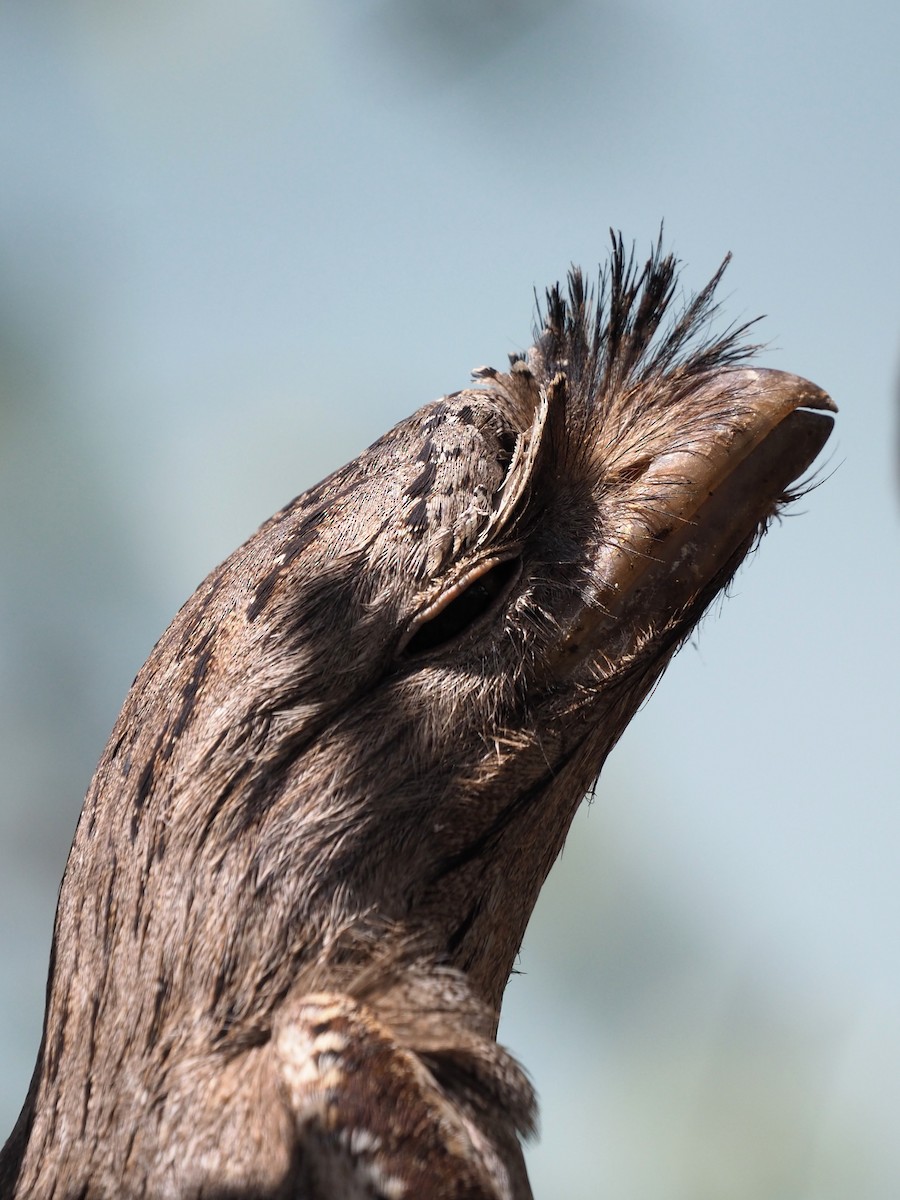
307, 858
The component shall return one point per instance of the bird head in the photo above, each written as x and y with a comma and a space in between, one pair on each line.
388, 704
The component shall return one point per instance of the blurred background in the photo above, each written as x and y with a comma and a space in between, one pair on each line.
238, 240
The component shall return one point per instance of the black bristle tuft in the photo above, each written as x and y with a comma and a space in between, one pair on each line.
635, 330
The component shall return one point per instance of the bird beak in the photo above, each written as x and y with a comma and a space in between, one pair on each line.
700, 503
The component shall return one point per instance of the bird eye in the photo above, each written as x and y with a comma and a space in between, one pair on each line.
461, 606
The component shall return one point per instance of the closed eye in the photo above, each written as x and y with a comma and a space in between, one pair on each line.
461, 606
